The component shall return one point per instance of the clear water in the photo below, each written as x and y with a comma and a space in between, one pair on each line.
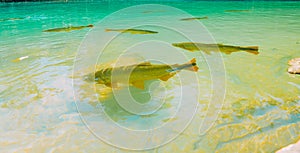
38, 111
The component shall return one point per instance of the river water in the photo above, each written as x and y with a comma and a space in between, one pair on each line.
46, 106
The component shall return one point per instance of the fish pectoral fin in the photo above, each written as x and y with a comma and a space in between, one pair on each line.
167, 77
139, 84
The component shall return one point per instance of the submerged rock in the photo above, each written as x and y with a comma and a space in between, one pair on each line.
294, 69
293, 148
294, 66
295, 61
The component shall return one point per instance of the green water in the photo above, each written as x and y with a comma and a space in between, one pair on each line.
260, 112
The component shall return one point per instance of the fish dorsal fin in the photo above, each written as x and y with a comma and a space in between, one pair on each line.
139, 84
167, 77
144, 64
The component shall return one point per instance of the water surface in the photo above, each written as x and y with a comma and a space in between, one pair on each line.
38, 111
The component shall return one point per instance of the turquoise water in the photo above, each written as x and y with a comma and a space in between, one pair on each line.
260, 112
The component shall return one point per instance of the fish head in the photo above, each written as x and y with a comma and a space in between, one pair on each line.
93, 78
186, 45
178, 45
100, 81
100, 78
89, 77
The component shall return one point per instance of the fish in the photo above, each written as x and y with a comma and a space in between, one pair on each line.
208, 48
136, 75
132, 31
237, 11
195, 18
11, 19
68, 29
20, 59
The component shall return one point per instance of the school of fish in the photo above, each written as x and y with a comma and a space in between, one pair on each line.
147, 71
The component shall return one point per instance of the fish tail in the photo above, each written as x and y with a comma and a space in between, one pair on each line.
253, 52
191, 66
194, 66
251, 49
90, 25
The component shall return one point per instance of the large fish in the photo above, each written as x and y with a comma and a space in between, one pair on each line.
195, 18
136, 75
132, 31
208, 48
68, 29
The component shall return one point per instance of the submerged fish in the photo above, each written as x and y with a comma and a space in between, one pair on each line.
139, 73
195, 18
237, 11
207, 48
11, 19
68, 29
132, 31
